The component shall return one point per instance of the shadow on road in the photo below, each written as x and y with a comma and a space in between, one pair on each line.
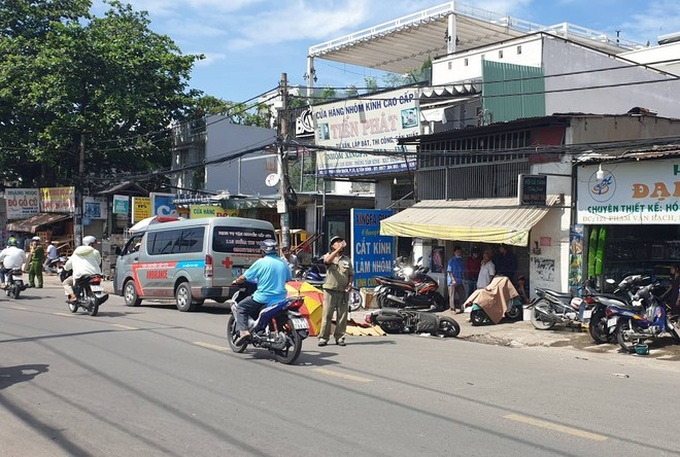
20, 373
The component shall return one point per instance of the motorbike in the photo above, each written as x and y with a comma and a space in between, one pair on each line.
621, 297
399, 320
14, 283
56, 265
551, 307
488, 303
316, 276
646, 319
279, 328
89, 293
417, 290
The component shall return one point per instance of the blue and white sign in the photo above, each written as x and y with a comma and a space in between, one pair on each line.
163, 204
372, 254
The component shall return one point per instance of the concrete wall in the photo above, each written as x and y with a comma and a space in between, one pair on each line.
245, 176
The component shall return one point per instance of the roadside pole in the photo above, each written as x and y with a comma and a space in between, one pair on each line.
283, 164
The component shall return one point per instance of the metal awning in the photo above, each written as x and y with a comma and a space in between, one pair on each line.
493, 220
33, 223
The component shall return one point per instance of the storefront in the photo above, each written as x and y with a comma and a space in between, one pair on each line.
630, 213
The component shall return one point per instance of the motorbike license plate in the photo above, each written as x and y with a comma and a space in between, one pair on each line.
17, 278
300, 324
587, 313
612, 322
96, 288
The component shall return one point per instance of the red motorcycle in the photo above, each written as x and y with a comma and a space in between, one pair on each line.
409, 289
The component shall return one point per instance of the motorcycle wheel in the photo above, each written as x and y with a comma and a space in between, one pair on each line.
93, 309
355, 299
514, 312
536, 320
291, 354
448, 327
14, 293
381, 301
672, 329
232, 336
73, 307
598, 329
477, 317
626, 343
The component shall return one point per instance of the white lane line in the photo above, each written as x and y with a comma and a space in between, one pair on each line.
556, 427
125, 327
214, 347
20, 308
64, 314
348, 377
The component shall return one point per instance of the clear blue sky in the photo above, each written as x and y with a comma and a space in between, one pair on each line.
249, 43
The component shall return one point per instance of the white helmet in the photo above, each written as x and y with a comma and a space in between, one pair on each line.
89, 240
268, 246
35, 238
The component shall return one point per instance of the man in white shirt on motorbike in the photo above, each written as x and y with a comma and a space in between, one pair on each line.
86, 260
11, 258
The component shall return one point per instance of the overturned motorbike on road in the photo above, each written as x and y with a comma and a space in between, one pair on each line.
89, 293
399, 320
14, 283
279, 328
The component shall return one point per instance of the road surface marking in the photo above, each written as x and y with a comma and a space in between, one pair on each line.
214, 347
63, 314
125, 327
19, 308
348, 377
556, 427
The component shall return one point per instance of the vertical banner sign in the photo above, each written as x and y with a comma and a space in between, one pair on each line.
58, 199
163, 205
121, 204
22, 203
141, 208
372, 254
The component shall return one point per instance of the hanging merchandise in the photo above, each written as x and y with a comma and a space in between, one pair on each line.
600, 250
592, 251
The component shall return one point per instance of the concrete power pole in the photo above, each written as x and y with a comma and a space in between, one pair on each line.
283, 164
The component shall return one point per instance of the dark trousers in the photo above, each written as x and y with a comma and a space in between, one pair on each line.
247, 308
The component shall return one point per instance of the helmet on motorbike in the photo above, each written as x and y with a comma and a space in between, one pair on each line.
268, 246
89, 240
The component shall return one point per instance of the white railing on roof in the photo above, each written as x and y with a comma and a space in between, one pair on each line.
471, 11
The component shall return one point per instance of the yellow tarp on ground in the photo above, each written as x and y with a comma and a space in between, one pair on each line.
492, 220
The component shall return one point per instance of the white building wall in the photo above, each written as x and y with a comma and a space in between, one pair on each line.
662, 57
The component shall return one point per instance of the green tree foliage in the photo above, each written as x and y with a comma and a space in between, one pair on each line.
67, 77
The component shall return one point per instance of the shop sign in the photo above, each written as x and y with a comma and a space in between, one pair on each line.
94, 208
58, 199
646, 192
22, 203
163, 204
141, 208
121, 204
372, 254
373, 123
532, 190
202, 211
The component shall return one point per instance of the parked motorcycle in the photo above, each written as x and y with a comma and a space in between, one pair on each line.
491, 303
551, 307
399, 320
646, 319
316, 276
279, 328
14, 283
89, 294
416, 291
621, 297
56, 265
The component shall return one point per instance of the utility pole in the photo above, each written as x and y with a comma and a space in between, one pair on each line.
78, 219
283, 164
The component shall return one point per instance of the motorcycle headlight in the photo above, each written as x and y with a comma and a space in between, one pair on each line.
408, 271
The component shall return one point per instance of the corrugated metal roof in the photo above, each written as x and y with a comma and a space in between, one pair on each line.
629, 155
494, 220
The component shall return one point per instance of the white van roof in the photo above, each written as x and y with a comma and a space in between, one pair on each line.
214, 221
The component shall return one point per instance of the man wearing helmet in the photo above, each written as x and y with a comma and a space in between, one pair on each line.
11, 258
271, 274
339, 278
37, 257
86, 260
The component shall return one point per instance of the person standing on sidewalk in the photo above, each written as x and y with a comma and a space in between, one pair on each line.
455, 270
472, 266
35, 267
339, 278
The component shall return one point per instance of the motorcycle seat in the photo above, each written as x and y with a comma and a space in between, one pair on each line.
397, 282
556, 294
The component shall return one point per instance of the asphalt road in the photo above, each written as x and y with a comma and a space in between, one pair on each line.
153, 381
